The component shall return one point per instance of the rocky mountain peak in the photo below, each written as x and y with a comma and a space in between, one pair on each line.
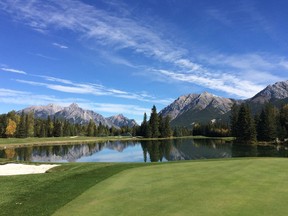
197, 102
74, 106
120, 120
76, 114
279, 90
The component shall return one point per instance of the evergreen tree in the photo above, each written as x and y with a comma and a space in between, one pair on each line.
21, 129
154, 123
30, 124
161, 126
267, 125
90, 128
148, 133
245, 126
95, 131
3, 125
284, 119
58, 130
143, 127
49, 127
234, 120
167, 132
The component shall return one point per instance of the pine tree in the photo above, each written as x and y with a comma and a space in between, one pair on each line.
154, 123
167, 132
21, 129
58, 129
90, 128
143, 127
284, 119
30, 124
234, 120
49, 127
267, 125
245, 126
161, 126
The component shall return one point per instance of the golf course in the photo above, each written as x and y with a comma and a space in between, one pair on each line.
248, 186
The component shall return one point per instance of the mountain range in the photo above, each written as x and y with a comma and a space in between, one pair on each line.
205, 107
184, 111
76, 114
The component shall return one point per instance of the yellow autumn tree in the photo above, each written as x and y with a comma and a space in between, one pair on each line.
11, 128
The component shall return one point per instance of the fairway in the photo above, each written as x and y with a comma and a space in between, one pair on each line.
217, 187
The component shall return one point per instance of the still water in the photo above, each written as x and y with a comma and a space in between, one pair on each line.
144, 151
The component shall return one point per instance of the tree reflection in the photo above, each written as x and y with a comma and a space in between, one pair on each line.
157, 150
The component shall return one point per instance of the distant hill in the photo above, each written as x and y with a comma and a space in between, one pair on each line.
206, 107
76, 114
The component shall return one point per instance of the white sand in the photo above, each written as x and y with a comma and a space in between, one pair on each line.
23, 169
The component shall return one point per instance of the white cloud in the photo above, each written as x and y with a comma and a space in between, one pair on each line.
69, 86
60, 45
242, 88
13, 70
10, 96
284, 63
126, 33
116, 108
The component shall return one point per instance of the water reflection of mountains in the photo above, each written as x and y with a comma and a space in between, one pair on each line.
180, 149
164, 150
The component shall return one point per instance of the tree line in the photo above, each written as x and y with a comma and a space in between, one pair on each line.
156, 126
269, 125
26, 125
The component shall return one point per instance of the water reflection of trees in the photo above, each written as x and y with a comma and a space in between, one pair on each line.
259, 150
62, 152
157, 150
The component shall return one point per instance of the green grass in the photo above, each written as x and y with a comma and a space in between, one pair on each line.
209, 187
43, 194
223, 187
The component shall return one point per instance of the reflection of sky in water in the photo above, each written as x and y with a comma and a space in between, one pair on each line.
131, 154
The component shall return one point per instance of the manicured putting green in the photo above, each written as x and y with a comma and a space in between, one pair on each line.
217, 187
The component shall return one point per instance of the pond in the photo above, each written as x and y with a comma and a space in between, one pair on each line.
144, 151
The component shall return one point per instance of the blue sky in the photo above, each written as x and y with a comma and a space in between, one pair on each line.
124, 56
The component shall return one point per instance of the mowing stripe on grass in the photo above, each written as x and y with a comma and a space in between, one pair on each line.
223, 187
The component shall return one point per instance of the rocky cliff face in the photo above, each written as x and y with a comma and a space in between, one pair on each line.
76, 114
120, 121
278, 90
206, 107
196, 103
43, 111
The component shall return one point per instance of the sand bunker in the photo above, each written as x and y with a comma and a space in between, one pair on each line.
23, 169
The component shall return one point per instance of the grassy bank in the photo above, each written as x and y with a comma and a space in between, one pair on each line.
43, 194
208, 187
12, 142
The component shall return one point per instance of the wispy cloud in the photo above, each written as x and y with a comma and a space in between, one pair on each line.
45, 56
10, 96
17, 97
60, 45
242, 88
68, 86
13, 70
125, 33
120, 108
